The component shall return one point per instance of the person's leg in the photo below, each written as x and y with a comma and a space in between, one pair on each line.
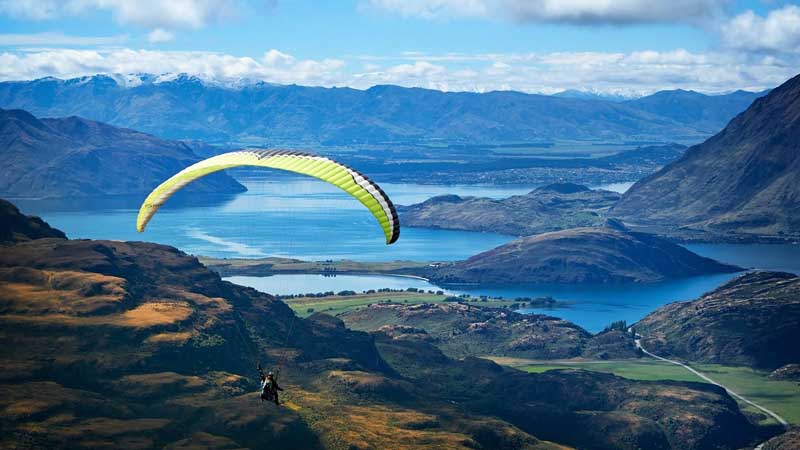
276, 398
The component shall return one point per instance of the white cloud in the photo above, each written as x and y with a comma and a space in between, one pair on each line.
67, 63
168, 14
159, 35
631, 73
59, 39
30, 9
560, 11
779, 31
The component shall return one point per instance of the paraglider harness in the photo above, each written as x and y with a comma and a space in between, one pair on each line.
269, 387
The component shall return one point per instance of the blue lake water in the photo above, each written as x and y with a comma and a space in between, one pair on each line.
592, 307
277, 216
308, 219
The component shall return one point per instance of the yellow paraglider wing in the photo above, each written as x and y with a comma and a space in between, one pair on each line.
326, 169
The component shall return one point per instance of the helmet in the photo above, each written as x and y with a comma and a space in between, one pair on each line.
269, 374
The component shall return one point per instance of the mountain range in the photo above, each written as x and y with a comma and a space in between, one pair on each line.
75, 157
745, 180
185, 107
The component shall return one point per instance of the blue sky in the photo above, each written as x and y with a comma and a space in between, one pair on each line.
624, 46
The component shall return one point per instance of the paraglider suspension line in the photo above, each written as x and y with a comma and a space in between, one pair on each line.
285, 345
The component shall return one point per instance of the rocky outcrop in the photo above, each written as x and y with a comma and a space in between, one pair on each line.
789, 372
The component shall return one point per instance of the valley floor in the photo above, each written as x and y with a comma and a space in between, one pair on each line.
783, 397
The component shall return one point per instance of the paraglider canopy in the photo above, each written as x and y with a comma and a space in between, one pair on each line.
323, 168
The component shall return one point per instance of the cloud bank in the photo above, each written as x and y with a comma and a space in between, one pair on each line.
149, 13
778, 32
633, 73
617, 12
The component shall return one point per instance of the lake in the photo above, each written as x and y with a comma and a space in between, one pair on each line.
308, 219
278, 216
592, 307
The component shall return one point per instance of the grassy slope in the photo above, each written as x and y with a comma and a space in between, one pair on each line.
336, 304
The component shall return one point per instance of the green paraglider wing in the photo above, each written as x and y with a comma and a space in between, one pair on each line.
326, 169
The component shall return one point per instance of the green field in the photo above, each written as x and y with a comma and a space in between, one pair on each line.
338, 304
783, 397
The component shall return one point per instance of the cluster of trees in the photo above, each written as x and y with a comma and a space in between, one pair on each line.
619, 325
348, 292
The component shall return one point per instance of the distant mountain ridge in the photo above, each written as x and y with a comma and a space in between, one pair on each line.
743, 181
548, 208
186, 107
75, 157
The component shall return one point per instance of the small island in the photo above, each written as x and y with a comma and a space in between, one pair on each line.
582, 256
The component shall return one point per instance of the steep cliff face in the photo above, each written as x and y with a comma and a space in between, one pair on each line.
744, 180
580, 255
752, 320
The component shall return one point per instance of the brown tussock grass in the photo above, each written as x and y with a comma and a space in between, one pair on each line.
152, 383
203, 441
32, 291
177, 338
381, 427
149, 314
154, 313
104, 426
365, 379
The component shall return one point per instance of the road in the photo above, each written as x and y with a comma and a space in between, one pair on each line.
772, 414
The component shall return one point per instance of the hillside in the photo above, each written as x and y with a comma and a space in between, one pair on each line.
16, 227
75, 157
187, 108
579, 255
752, 320
135, 345
743, 181
550, 208
461, 330
704, 111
